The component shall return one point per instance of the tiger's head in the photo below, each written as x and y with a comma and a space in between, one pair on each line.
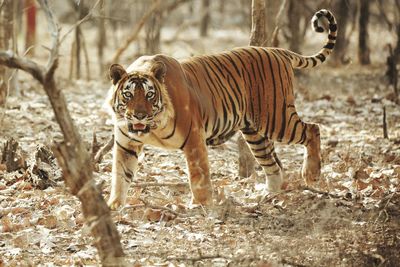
140, 100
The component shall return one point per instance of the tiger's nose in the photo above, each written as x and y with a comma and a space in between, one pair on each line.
140, 115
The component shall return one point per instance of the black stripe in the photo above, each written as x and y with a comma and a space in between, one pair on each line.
131, 152
257, 142
321, 57
294, 132
331, 37
265, 156
127, 136
173, 131
332, 27
187, 136
314, 62
329, 46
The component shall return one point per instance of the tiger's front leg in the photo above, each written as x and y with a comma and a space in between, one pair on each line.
125, 163
196, 154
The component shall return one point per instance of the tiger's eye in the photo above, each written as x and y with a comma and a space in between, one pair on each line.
127, 95
150, 95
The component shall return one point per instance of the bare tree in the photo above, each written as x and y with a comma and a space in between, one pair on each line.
153, 30
257, 38
30, 34
101, 37
6, 34
71, 154
363, 47
342, 13
294, 15
205, 20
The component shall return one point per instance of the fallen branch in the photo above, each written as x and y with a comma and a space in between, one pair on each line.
148, 205
144, 185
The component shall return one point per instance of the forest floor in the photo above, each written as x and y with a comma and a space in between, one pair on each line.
351, 217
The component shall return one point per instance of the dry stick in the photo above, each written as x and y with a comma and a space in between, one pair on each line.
86, 55
72, 155
385, 131
144, 185
135, 32
148, 205
104, 150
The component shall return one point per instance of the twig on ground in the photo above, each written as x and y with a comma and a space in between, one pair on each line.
104, 150
144, 185
384, 125
148, 205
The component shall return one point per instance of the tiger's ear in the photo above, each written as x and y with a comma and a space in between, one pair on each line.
159, 69
116, 73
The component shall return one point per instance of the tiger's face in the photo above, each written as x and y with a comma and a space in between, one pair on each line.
139, 100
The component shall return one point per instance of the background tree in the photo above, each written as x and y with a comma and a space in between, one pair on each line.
205, 17
363, 35
6, 43
257, 38
30, 34
153, 30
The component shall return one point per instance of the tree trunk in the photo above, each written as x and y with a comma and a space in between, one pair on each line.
153, 31
257, 38
6, 34
101, 38
363, 47
205, 13
341, 10
30, 36
272, 9
294, 16
258, 30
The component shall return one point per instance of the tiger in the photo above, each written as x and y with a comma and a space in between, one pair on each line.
204, 100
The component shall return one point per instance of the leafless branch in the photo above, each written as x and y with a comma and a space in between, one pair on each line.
78, 23
104, 150
9, 59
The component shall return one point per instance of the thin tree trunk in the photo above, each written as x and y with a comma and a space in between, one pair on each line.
30, 36
294, 15
272, 9
363, 47
205, 11
101, 38
258, 30
341, 10
247, 162
6, 36
153, 31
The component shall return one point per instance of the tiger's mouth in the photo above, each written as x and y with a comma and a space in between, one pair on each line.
138, 128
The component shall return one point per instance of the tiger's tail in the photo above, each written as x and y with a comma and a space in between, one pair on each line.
305, 62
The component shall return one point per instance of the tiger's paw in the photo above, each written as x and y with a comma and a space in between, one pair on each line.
311, 170
115, 203
274, 182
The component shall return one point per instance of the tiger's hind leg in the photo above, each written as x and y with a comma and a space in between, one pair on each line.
307, 134
312, 157
264, 152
